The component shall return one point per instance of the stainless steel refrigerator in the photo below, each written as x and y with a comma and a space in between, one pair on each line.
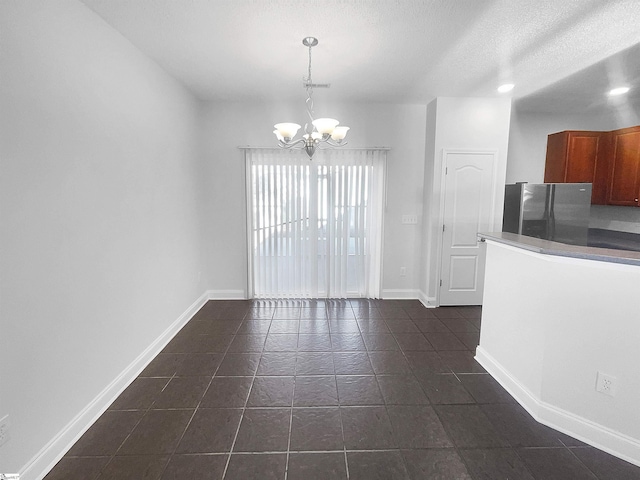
553, 211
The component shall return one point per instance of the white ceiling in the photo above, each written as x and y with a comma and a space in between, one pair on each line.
400, 51
585, 91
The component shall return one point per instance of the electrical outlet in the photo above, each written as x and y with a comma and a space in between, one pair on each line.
403, 271
606, 384
4, 429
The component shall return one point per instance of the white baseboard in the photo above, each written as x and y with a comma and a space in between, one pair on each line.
596, 435
524, 397
226, 295
52, 452
399, 294
429, 302
409, 294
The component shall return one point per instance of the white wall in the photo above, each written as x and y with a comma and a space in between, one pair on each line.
227, 126
528, 140
99, 196
458, 123
549, 324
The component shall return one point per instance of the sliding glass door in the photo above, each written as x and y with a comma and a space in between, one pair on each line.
315, 226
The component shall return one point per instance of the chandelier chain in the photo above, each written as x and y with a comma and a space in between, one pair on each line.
309, 86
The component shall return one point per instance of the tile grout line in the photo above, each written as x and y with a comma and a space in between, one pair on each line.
453, 443
293, 396
524, 464
201, 399
386, 409
244, 408
348, 450
293, 393
344, 441
431, 405
566, 447
112, 456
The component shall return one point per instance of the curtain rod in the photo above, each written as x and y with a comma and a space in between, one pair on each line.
337, 149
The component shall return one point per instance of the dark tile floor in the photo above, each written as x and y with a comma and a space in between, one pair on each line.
334, 389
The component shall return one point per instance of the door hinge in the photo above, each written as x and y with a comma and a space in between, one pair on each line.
440, 282
443, 227
446, 170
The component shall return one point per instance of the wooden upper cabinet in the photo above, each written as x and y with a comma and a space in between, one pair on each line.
578, 157
624, 186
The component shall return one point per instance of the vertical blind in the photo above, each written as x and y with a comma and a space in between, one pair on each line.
315, 226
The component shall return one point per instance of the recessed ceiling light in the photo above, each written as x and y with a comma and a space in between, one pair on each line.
618, 91
507, 87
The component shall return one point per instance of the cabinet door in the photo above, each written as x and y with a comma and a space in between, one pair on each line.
625, 172
578, 157
582, 155
555, 167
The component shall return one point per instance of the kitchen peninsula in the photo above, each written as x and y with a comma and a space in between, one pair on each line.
558, 321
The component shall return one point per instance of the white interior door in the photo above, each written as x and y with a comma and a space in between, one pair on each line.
469, 192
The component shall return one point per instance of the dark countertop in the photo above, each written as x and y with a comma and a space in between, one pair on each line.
598, 237
548, 247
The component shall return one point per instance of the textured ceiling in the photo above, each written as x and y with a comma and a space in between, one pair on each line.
401, 51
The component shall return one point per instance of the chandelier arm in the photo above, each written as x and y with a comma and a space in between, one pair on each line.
331, 144
295, 144
336, 144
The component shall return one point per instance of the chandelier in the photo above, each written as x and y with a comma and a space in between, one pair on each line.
318, 132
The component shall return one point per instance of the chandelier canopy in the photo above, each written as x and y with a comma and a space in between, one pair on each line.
318, 132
